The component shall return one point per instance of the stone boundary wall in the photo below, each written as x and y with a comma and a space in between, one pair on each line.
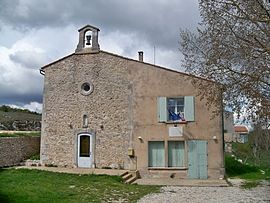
14, 150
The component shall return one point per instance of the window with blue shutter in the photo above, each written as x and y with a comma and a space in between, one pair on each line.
176, 109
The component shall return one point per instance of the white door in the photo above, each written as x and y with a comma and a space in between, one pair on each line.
85, 150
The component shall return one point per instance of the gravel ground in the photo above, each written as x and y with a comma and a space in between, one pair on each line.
211, 194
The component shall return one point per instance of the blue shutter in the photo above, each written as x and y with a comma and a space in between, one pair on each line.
197, 159
162, 109
189, 108
192, 160
202, 158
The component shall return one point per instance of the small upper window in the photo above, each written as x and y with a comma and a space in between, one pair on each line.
175, 108
86, 88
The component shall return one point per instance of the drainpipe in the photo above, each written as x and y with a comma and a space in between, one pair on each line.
222, 133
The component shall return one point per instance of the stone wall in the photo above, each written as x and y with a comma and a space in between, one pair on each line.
13, 150
17, 125
107, 109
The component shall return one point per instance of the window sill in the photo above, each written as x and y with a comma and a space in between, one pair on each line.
176, 122
167, 168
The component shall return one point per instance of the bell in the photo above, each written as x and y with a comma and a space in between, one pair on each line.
88, 38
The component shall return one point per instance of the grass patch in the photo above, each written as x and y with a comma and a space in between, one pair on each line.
22, 185
35, 157
21, 134
250, 184
235, 168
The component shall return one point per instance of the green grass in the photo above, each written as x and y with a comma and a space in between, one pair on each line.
235, 168
22, 185
251, 174
35, 157
250, 184
21, 134
247, 172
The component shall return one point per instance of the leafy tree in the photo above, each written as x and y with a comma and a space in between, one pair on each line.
232, 47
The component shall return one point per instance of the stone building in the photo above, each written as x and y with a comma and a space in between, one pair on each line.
241, 133
229, 133
102, 110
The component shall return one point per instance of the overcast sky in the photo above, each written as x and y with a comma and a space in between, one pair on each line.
34, 33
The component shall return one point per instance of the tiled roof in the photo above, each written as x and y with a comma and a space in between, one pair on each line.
240, 129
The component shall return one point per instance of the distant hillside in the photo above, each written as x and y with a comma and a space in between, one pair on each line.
19, 119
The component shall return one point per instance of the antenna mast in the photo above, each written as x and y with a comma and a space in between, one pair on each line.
154, 55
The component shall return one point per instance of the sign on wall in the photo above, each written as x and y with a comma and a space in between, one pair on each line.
175, 131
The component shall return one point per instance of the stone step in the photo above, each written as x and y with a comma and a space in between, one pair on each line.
123, 174
131, 180
127, 176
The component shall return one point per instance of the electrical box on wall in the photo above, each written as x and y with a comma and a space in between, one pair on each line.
130, 152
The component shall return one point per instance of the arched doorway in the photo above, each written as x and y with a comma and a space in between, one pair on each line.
85, 152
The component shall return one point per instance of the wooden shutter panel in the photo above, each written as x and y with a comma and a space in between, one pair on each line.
189, 108
162, 109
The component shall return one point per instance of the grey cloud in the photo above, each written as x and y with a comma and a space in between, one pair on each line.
21, 85
29, 59
157, 21
20, 99
149, 23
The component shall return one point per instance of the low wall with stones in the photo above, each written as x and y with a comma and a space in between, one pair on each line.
14, 150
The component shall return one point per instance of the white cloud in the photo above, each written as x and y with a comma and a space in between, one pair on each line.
34, 106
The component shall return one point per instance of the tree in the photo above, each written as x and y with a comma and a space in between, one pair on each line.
232, 47
259, 140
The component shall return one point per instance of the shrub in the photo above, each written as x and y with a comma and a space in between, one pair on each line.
35, 157
235, 168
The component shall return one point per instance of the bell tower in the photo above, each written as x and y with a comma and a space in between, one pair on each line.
88, 40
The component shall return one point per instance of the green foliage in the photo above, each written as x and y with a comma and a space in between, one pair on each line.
22, 185
6, 108
9, 116
242, 148
265, 175
21, 134
235, 168
250, 184
35, 157
245, 152
248, 172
